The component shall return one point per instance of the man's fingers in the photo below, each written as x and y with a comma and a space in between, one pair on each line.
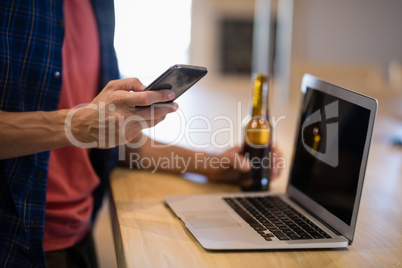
127, 84
157, 111
244, 164
145, 98
129, 92
239, 161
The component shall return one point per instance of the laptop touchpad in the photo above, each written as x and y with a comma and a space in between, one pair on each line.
210, 219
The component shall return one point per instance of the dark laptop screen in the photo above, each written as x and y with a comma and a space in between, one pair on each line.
329, 152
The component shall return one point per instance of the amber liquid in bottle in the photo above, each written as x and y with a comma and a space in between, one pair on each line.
257, 140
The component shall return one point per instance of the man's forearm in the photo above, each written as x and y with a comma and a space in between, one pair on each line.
155, 156
24, 133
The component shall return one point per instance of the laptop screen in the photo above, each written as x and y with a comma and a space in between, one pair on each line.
329, 152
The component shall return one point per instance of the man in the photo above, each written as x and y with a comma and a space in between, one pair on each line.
53, 57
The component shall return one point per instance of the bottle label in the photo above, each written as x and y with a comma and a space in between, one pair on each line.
257, 132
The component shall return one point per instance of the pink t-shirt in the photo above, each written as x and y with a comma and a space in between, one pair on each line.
71, 178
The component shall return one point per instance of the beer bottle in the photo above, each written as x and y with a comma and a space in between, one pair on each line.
257, 140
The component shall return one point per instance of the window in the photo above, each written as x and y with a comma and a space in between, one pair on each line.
151, 36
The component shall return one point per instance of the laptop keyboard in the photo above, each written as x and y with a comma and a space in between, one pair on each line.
273, 217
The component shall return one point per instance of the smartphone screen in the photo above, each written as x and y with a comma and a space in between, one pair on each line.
178, 78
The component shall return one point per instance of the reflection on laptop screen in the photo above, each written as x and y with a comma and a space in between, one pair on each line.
329, 152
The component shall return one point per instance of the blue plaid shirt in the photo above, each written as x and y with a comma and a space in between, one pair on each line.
31, 37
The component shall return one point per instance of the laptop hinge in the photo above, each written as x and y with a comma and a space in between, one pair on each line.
318, 219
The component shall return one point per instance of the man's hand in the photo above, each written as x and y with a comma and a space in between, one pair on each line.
113, 118
237, 163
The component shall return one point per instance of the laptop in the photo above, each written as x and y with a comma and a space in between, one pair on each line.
321, 203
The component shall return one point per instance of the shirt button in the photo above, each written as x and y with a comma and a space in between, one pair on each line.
57, 74
34, 225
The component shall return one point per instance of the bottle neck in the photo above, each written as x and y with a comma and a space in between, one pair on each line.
260, 90
258, 128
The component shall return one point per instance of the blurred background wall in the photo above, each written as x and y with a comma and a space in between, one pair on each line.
352, 42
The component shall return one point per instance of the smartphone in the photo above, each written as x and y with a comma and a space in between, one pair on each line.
178, 78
